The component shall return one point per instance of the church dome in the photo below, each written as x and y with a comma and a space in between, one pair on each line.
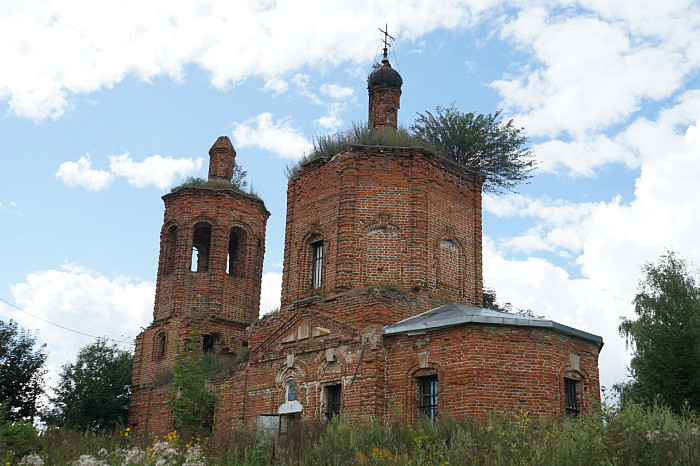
385, 74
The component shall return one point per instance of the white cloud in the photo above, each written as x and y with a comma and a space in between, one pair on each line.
58, 49
82, 300
609, 242
329, 122
155, 170
589, 72
278, 137
278, 86
340, 97
337, 92
80, 173
692, 135
270, 293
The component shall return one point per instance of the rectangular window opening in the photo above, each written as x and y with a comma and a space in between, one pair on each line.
316, 264
332, 401
570, 389
428, 396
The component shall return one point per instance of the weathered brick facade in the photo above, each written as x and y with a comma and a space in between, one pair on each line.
374, 235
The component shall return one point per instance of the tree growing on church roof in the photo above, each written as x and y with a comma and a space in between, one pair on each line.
483, 143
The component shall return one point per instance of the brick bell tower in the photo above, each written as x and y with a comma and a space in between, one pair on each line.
209, 275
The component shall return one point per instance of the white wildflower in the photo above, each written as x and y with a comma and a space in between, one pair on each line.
87, 460
162, 453
133, 455
195, 457
31, 460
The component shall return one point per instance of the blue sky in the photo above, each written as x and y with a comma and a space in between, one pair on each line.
104, 108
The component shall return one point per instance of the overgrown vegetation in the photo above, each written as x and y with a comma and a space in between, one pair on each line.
326, 146
607, 435
482, 143
193, 182
191, 400
237, 183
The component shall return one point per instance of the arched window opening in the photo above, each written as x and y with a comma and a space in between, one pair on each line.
169, 248
316, 264
291, 390
201, 243
382, 257
448, 256
236, 252
159, 347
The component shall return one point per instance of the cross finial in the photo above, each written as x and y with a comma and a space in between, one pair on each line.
386, 41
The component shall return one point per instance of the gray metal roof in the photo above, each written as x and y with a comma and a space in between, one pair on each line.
458, 314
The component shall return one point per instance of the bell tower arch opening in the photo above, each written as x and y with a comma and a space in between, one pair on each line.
201, 245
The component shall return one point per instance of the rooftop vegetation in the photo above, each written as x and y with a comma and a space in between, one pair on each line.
326, 146
481, 143
196, 182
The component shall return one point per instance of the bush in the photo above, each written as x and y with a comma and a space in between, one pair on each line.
17, 440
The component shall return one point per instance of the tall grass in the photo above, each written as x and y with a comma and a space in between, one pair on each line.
604, 436
326, 146
193, 182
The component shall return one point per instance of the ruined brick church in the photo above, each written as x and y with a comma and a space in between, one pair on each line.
381, 297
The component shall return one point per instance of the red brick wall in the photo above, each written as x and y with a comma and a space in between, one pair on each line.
211, 302
383, 214
485, 368
180, 291
384, 103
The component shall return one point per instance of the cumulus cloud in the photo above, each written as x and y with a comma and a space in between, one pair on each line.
607, 241
82, 300
588, 72
81, 174
57, 49
271, 291
279, 137
336, 91
155, 170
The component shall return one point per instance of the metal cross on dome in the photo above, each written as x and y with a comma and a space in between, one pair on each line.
386, 41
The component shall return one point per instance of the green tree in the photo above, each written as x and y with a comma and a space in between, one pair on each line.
239, 177
94, 392
483, 143
665, 337
192, 402
21, 373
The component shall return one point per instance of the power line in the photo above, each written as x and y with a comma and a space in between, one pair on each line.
64, 327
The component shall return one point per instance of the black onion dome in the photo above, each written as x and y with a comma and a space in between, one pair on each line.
385, 74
